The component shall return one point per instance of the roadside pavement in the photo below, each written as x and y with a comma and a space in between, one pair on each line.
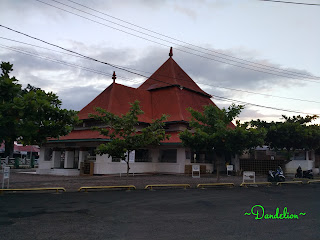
20, 178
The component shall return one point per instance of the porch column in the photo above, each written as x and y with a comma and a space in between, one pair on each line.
307, 155
69, 158
155, 155
83, 153
45, 158
236, 163
56, 157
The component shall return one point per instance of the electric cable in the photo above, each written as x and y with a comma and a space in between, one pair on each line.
299, 3
218, 97
216, 86
166, 36
198, 55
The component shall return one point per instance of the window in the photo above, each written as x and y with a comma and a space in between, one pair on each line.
202, 157
299, 155
48, 154
116, 159
168, 155
188, 154
142, 155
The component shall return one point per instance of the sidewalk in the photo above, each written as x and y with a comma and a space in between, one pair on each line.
27, 179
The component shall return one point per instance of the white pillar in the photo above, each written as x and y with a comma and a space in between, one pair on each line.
307, 155
56, 157
44, 159
181, 159
69, 159
82, 157
236, 162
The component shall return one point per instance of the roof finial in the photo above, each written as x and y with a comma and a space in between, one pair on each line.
170, 53
114, 76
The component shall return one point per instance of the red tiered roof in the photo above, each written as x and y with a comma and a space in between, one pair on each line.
116, 99
171, 74
168, 91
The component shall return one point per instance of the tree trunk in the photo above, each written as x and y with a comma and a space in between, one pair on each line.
218, 161
9, 147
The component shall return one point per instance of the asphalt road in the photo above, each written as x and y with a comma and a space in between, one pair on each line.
162, 214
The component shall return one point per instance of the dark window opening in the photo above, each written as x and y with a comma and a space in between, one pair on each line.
142, 155
168, 155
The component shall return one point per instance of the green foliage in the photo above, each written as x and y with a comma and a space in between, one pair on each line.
212, 129
30, 115
124, 135
295, 132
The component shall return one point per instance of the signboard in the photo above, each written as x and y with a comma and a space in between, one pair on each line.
196, 168
249, 176
132, 156
6, 175
229, 169
6, 172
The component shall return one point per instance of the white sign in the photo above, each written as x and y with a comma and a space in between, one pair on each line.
6, 172
249, 176
196, 168
132, 156
229, 167
6, 175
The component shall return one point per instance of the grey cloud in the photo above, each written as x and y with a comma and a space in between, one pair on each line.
44, 74
187, 11
76, 98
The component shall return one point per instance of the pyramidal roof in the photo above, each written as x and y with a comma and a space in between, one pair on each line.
168, 91
171, 74
116, 99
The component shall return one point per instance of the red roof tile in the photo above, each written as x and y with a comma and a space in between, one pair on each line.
82, 134
168, 91
18, 148
89, 134
116, 99
170, 74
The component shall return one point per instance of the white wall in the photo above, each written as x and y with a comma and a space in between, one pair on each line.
43, 159
104, 165
292, 166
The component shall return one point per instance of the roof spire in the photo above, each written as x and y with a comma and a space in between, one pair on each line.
170, 53
114, 76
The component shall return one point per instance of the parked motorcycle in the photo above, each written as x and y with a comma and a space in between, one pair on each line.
276, 176
299, 173
308, 174
304, 174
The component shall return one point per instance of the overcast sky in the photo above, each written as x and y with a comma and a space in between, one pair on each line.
230, 48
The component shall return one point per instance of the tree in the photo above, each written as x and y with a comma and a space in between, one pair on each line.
124, 135
295, 132
30, 115
212, 130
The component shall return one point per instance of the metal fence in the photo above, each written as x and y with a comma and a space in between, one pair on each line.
260, 166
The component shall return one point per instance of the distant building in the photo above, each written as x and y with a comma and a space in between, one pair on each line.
263, 159
168, 91
23, 153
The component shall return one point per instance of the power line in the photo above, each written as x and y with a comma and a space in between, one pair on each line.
8, 39
300, 3
267, 71
84, 56
166, 36
65, 63
216, 86
261, 106
99, 72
